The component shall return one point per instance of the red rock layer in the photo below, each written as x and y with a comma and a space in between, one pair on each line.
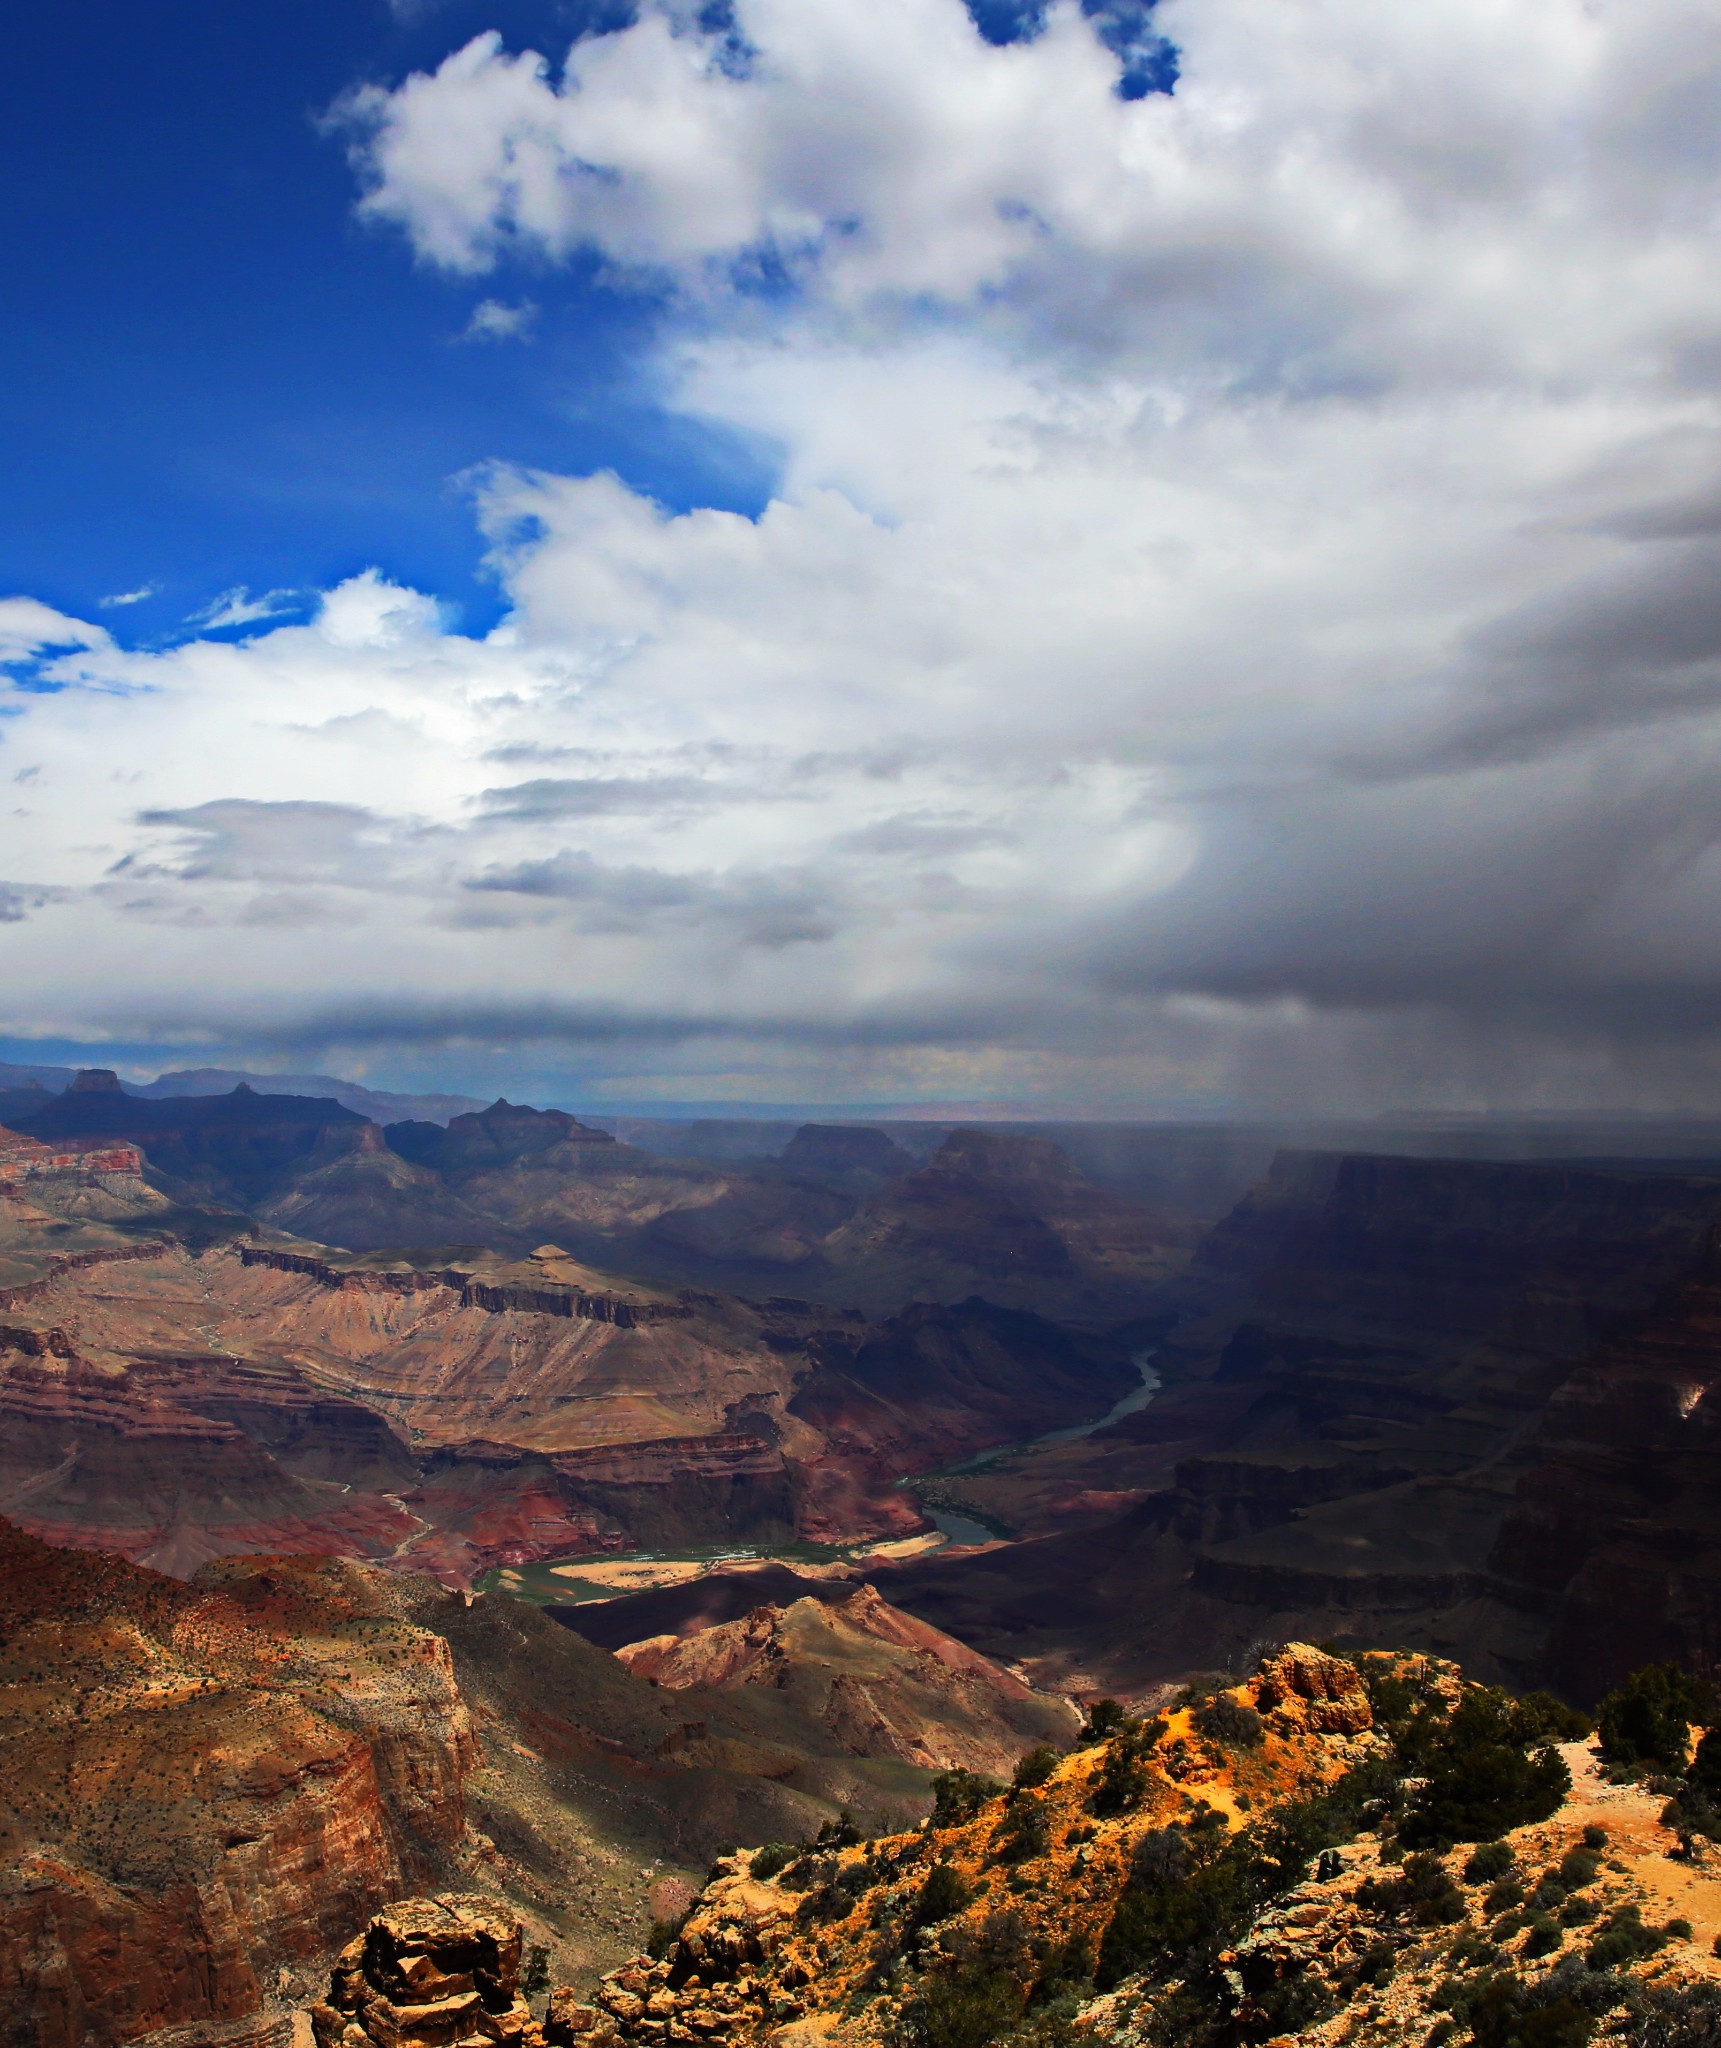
204, 1782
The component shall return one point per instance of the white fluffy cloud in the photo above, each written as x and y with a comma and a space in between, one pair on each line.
1240, 607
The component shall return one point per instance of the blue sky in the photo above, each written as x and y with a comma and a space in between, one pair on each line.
822, 553
211, 376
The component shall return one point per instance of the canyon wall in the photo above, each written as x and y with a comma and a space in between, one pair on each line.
205, 1784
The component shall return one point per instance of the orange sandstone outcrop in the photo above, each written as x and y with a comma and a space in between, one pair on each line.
1308, 1692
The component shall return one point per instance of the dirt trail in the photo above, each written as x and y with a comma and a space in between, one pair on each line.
1671, 1888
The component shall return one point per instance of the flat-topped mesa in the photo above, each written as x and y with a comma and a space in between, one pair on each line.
25, 1159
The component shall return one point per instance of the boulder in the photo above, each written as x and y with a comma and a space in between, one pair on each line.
1309, 1692
438, 1972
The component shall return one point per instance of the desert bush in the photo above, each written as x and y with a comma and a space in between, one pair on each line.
957, 1796
1035, 1769
967, 2009
1489, 1861
1023, 1833
1421, 1893
944, 1893
1481, 1775
1105, 1718
1544, 1935
1646, 1722
774, 1858
1677, 2016
1624, 1939
658, 1943
1229, 1723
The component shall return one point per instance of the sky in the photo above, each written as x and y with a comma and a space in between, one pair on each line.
1113, 559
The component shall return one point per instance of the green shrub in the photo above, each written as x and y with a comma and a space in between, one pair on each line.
1679, 2016
1544, 1935
842, 1833
1480, 1779
1579, 1867
1704, 1772
1542, 1718
1105, 1717
1023, 1833
1623, 1939
1035, 1768
957, 1796
662, 1938
1122, 1780
1646, 1722
1178, 1917
774, 1858
1491, 1860
1556, 2010
1421, 1893
969, 2009
1229, 1723
944, 1893
1065, 1967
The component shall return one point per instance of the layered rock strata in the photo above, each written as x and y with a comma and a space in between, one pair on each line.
455, 1416
205, 1784
1366, 1349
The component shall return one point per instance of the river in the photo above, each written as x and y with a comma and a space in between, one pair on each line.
963, 1528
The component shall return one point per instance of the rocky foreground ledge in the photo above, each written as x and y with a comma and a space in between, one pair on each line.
1336, 1854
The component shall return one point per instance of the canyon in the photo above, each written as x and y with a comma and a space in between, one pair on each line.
210, 1783
281, 1386
175, 1405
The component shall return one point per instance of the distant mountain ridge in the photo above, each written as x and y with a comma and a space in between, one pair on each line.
380, 1105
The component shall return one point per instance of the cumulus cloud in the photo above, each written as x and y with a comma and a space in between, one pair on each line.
1236, 618
496, 320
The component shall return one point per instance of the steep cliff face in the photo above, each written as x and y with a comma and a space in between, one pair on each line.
353, 1189
173, 1463
1614, 1534
65, 1200
205, 1783
225, 1148
209, 1785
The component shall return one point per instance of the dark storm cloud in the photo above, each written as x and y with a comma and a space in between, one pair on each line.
761, 910
598, 796
238, 840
